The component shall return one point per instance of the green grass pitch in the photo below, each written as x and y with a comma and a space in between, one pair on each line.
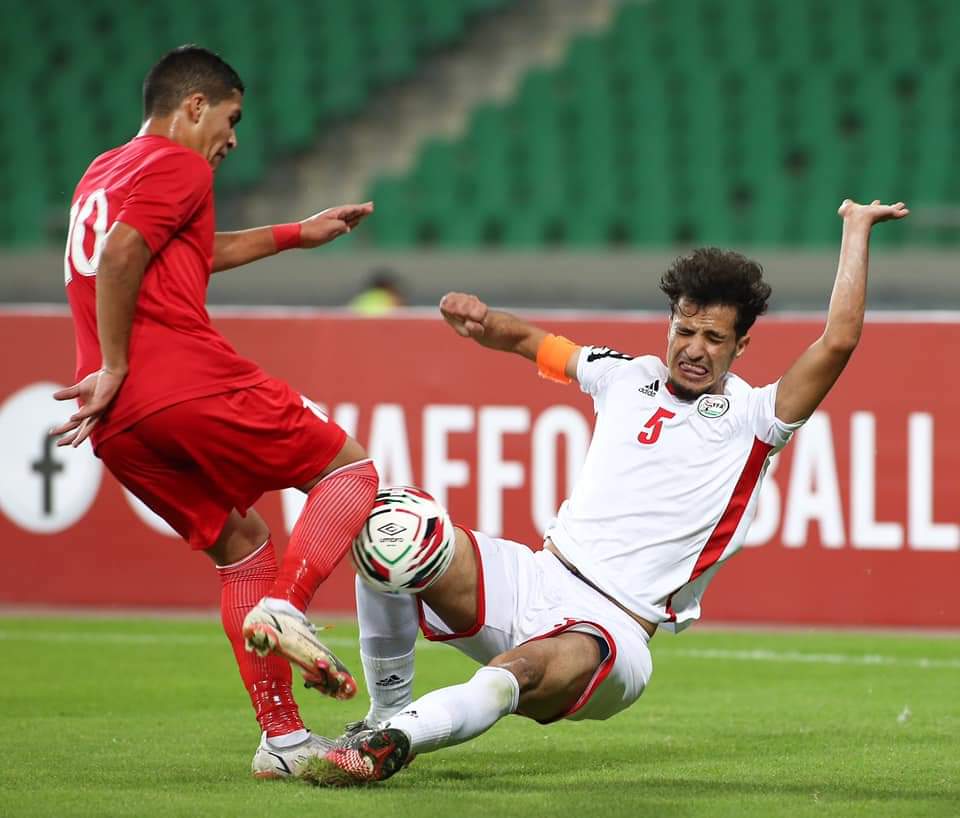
147, 717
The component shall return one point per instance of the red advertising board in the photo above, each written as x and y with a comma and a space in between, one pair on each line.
858, 524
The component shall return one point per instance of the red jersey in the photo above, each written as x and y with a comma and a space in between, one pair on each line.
165, 192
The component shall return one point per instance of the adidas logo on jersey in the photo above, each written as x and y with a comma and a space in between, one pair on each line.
651, 389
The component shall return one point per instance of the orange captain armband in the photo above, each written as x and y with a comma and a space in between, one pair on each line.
552, 356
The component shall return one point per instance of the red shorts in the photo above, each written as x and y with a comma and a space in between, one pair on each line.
195, 461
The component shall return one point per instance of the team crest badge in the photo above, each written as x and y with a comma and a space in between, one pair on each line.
713, 406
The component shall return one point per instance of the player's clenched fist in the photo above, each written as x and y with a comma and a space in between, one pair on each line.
465, 313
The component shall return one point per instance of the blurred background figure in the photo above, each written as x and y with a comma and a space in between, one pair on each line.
383, 293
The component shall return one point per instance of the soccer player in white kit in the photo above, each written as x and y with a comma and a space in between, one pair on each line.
666, 495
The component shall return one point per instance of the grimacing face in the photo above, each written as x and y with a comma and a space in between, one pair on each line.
702, 344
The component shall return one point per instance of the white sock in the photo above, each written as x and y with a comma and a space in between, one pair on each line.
456, 714
288, 739
390, 682
388, 633
281, 606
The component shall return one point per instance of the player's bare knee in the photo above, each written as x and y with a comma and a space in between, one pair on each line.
252, 530
240, 537
527, 671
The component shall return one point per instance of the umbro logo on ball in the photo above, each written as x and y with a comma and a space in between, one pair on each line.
391, 529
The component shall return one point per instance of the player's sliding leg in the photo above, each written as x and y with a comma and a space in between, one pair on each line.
541, 679
388, 633
338, 502
247, 567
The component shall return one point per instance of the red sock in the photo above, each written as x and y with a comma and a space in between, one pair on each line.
335, 510
267, 679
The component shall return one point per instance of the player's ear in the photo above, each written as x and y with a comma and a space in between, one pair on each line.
742, 344
195, 105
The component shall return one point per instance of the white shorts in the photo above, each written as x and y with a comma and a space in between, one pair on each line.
523, 595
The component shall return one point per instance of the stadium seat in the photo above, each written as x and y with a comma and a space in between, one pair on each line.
716, 121
723, 121
78, 69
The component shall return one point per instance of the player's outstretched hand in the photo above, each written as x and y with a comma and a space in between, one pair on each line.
872, 213
94, 393
465, 313
328, 224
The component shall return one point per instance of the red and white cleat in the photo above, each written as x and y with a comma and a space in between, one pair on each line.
295, 639
367, 756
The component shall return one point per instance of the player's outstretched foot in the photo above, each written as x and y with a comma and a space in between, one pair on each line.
370, 755
353, 728
294, 638
287, 762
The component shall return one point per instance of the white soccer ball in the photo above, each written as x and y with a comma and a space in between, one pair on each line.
406, 543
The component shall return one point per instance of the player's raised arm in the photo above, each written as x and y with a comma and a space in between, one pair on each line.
812, 375
122, 263
234, 249
556, 357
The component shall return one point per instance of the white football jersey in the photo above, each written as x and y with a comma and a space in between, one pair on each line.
669, 487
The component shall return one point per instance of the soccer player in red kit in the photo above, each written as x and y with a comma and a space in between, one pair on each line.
192, 428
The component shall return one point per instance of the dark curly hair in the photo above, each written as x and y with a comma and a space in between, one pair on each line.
710, 275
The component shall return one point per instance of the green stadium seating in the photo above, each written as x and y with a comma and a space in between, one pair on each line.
730, 122
72, 75
733, 122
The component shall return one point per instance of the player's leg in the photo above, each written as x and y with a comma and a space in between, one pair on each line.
240, 537
247, 566
339, 498
268, 437
471, 605
552, 674
559, 659
388, 631
242, 551
338, 501
542, 679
